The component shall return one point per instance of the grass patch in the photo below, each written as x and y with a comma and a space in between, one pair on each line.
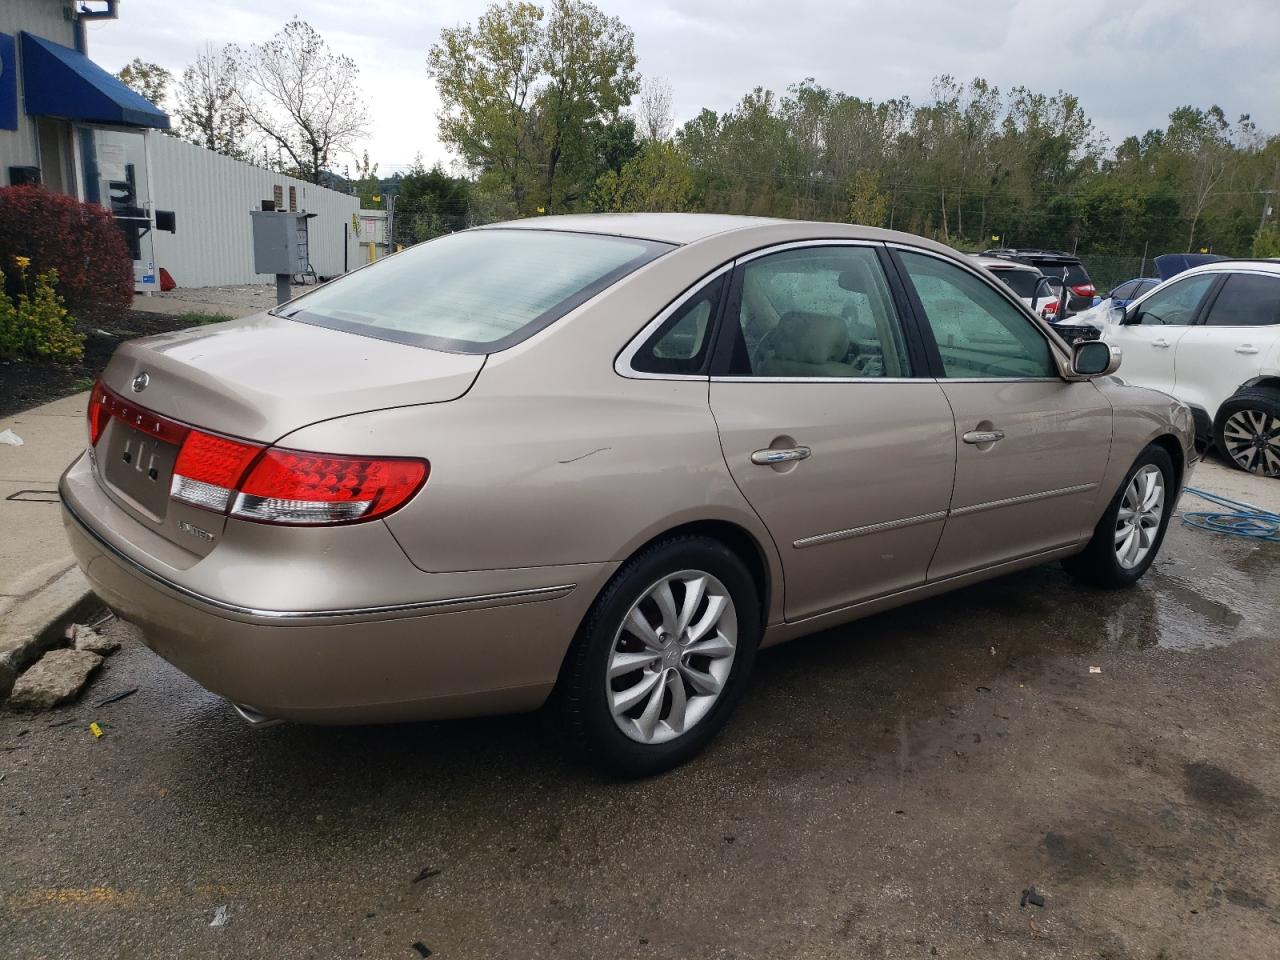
194, 318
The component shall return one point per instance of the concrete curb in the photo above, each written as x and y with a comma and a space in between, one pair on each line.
37, 623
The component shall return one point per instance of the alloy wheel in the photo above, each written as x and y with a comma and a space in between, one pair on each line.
1138, 522
1252, 439
672, 656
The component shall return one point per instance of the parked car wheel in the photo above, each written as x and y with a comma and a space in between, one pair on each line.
1128, 537
661, 658
1248, 431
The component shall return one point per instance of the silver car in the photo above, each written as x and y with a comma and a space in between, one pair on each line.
596, 462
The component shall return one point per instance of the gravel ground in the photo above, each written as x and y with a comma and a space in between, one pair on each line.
887, 789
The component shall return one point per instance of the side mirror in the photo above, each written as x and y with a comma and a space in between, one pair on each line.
1094, 358
1120, 315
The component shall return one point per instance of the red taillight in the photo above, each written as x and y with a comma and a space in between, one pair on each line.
98, 412
266, 484
1084, 290
208, 469
293, 486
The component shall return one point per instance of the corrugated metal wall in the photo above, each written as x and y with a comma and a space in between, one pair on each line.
212, 196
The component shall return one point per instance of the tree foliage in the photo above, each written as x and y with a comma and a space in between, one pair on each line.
656, 180
150, 80
303, 99
209, 111
526, 93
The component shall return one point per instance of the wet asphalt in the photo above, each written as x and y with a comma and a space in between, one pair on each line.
886, 789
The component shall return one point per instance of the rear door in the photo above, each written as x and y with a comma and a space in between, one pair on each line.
1148, 339
1238, 328
844, 451
1031, 447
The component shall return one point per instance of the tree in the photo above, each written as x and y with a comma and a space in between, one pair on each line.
302, 98
655, 110
659, 179
367, 186
209, 112
1201, 138
150, 80
486, 74
867, 204
430, 203
525, 93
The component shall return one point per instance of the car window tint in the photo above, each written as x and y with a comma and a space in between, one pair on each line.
1246, 300
681, 344
1021, 282
979, 333
1125, 290
1176, 304
816, 312
477, 291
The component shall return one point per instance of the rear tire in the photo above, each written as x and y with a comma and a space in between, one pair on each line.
1128, 537
1247, 431
661, 659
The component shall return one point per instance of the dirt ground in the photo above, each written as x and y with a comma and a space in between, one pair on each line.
887, 789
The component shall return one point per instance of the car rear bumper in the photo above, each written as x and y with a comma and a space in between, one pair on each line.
493, 647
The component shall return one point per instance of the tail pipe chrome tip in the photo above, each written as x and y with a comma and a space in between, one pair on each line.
253, 718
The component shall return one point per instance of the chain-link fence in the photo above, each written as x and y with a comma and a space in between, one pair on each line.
1109, 271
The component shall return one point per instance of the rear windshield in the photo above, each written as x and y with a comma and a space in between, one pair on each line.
1077, 275
1021, 282
478, 291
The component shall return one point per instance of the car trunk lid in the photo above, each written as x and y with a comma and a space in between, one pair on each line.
257, 379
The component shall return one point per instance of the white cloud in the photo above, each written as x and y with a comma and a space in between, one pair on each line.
1129, 64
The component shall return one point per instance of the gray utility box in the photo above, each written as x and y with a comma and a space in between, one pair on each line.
280, 242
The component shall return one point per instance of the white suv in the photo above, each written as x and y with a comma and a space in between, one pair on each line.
1211, 338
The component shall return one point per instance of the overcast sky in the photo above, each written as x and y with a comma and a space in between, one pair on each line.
1130, 63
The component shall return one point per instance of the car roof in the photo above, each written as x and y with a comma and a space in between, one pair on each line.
1000, 263
1031, 252
689, 228
679, 228
1233, 266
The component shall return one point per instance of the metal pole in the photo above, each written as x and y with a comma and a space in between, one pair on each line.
1142, 270
282, 288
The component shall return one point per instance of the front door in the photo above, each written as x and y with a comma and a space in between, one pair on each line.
1148, 339
844, 453
1031, 447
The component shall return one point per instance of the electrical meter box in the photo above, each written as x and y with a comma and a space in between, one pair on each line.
280, 242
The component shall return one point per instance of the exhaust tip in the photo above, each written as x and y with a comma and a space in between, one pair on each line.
253, 718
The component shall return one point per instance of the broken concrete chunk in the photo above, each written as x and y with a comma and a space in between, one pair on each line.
87, 638
7, 676
18, 653
57, 678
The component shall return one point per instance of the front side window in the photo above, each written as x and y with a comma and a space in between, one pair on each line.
979, 333
1176, 304
815, 312
1246, 300
478, 291
683, 341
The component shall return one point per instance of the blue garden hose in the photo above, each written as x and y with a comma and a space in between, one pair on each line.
1244, 520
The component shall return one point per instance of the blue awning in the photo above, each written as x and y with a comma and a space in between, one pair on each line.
60, 82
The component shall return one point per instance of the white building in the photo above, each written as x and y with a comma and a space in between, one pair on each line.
70, 125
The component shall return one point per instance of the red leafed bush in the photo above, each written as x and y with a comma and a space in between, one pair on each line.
78, 240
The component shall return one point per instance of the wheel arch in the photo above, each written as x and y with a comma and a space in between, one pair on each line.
1265, 382
1173, 447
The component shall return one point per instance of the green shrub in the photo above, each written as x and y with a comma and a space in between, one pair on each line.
35, 324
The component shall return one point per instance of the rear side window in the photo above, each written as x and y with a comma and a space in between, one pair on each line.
1246, 300
1125, 290
682, 343
478, 291
815, 313
979, 333
1021, 282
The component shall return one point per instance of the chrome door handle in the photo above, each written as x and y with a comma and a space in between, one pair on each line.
983, 436
1162, 343
1246, 348
780, 455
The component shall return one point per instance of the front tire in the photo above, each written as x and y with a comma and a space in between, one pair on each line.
1128, 537
1248, 431
661, 658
